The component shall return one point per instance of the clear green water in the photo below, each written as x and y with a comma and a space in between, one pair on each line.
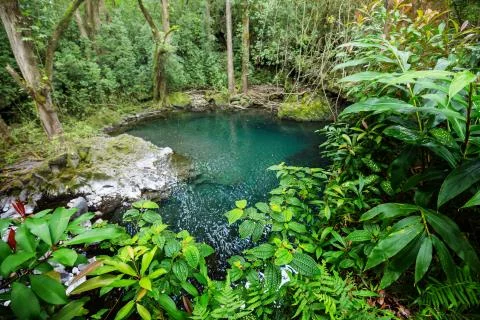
230, 153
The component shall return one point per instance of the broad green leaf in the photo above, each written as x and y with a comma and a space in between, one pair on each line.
39, 227
96, 235
453, 237
241, 204
48, 289
145, 204
192, 255
273, 277
297, 227
71, 310
388, 211
143, 312
24, 303
424, 258
5, 250
190, 288
167, 303
65, 256
25, 240
413, 76
304, 264
147, 259
350, 63
399, 263
146, 283
459, 180
14, 261
180, 270
172, 247
263, 251
4, 224
283, 256
392, 244
446, 260
360, 236
474, 201
404, 134
58, 222
365, 76
94, 283
234, 215
257, 231
246, 228
379, 105
125, 310
263, 207
121, 266
460, 81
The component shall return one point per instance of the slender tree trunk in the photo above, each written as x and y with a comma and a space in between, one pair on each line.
245, 46
92, 17
166, 20
27, 62
230, 71
208, 20
4, 131
159, 56
81, 25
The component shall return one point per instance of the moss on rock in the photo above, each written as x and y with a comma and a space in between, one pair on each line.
306, 108
179, 99
220, 99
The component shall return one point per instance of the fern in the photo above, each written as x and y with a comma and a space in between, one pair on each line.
451, 297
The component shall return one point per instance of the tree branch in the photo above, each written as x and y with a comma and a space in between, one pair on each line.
57, 34
151, 23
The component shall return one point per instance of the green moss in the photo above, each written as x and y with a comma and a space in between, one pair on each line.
307, 108
179, 99
220, 99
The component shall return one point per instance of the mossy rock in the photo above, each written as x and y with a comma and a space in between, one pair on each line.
220, 99
179, 100
306, 108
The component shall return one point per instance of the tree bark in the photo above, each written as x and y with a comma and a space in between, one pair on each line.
245, 46
230, 71
81, 25
166, 20
208, 20
159, 57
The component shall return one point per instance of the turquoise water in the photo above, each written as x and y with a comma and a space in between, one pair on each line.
230, 153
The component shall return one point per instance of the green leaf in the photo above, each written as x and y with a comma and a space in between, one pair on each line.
147, 259
392, 244
167, 303
241, 204
413, 76
59, 222
273, 277
263, 207
379, 105
65, 256
283, 256
4, 224
459, 180
39, 227
180, 270
25, 239
246, 228
48, 289
404, 134
172, 247
388, 211
474, 201
145, 204
24, 303
71, 310
360, 236
297, 227
460, 81
146, 283
125, 310
143, 312
192, 255
157, 273
94, 283
234, 215
14, 261
446, 260
96, 235
424, 258
364, 76
257, 231
453, 237
304, 264
350, 63
190, 288
121, 266
263, 251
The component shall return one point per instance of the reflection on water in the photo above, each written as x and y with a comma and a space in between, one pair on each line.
230, 154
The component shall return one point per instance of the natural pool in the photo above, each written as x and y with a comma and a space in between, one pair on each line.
230, 153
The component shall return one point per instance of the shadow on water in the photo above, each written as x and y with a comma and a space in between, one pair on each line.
231, 153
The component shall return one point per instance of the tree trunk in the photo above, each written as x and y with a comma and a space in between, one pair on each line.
230, 71
245, 46
27, 62
81, 25
92, 17
159, 56
208, 20
166, 20
4, 131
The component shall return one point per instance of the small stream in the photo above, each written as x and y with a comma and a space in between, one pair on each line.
230, 154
